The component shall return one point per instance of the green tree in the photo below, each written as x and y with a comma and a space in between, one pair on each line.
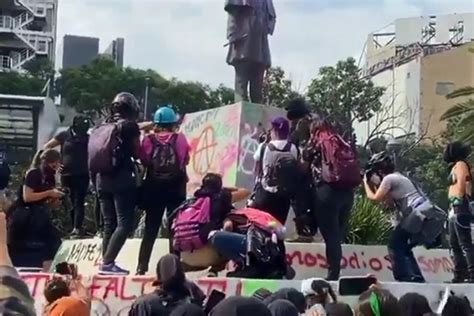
187, 97
31, 82
41, 68
340, 93
90, 87
461, 116
424, 163
22, 84
277, 89
220, 96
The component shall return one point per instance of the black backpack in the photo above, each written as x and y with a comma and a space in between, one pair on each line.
164, 166
283, 170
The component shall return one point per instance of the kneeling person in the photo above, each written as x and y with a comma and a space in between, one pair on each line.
197, 218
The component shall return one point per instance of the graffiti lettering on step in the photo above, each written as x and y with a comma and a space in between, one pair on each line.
114, 295
359, 260
85, 251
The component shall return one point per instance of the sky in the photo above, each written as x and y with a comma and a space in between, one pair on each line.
185, 38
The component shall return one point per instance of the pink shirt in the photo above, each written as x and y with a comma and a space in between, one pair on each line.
182, 147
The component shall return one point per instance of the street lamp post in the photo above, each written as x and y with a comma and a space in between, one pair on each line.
394, 146
147, 88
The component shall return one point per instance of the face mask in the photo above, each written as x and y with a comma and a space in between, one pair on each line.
81, 129
47, 170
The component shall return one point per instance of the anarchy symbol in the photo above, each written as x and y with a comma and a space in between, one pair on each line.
203, 157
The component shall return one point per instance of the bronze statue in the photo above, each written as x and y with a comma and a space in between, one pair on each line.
250, 22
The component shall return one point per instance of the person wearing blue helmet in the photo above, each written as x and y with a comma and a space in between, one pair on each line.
165, 154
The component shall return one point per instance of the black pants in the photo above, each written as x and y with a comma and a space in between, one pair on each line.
305, 219
460, 240
98, 218
273, 203
332, 209
153, 222
249, 74
77, 185
405, 267
33, 239
118, 211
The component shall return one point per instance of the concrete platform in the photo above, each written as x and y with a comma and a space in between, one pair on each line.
308, 260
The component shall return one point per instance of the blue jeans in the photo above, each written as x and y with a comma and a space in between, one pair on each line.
404, 265
232, 246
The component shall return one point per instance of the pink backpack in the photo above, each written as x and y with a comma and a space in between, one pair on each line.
188, 224
340, 165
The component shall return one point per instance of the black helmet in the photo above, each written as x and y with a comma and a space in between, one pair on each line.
125, 102
381, 162
296, 109
126, 98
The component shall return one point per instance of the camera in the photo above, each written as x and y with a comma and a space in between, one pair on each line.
64, 190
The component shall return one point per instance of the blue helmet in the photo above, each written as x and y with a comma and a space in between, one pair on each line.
165, 115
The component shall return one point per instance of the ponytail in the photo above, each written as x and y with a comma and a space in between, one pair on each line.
36, 162
48, 156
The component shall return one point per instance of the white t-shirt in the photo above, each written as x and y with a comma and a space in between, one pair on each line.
269, 158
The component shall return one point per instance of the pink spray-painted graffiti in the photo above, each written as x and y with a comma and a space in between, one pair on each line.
213, 138
224, 140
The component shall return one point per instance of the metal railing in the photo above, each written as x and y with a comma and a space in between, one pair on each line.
6, 22
5, 62
38, 9
36, 42
23, 20
26, 5
21, 58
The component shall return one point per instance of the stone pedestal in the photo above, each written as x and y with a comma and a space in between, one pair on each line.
223, 140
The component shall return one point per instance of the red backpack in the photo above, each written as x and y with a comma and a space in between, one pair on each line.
340, 166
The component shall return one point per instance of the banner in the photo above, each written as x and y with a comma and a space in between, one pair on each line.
114, 295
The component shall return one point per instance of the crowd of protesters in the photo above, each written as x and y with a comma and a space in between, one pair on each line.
175, 295
301, 162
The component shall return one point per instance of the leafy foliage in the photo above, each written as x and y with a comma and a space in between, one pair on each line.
341, 94
40, 67
425, 165
277, 89
368, 224
31, 82
461, 116
90, 87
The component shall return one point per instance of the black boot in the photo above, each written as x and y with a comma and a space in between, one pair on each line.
141, 270
459, 278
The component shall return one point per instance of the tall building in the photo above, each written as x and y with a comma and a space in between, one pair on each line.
419, 61
27, 31
79, 50
116, 51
